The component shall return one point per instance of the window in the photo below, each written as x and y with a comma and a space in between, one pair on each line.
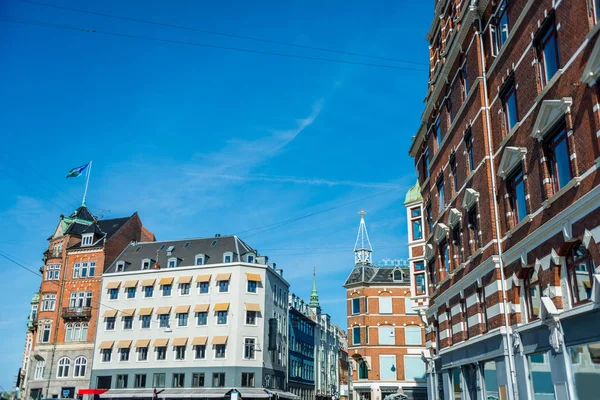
397, 275
113, 294
416, 223
385, 305
121, 266
63, 367
457, 243
252, 285
182, 319
482, 308
469, 149
146, 321
178, 379
464, 79
172, 262
204, 287
158, 380
122, 381
166, 290
201, 318
585, 378
124, 354
48, 302
247, 379
456, 383
131, 292
547, 52
223, 286
499, 32
249, 345
39, 369
200, 352
596, 13
429, 215
80, 299
218, 379
431, 270
419, 274
184, 289
413, 336
445, 257
52, 272
356, 306
463, 312
473, 224
540, 377
198, 379
161, 353
250, 317
509, 107
437, 131
227, 257
414, 368
449, 109
180, 352
106, 354
580, 270
109, 323
441, 195
163, 320
356, 335
490, 379
558, 158
426, 163
533, 295
148, 291
221, 317
516, 191
454, 172
87, 239
139, 381
146, 265
251, 259
220, 350
386, 335
363, 370
142, 353
128, 322
199, 259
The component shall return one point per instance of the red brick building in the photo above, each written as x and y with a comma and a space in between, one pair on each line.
507, 158
385, 335
79, 250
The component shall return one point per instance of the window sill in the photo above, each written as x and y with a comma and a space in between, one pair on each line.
526, 220
551, 83
572, 183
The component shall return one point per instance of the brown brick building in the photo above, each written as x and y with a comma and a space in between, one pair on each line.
385, 335
507, 158
63, 340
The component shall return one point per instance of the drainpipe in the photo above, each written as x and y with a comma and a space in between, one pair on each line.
511, 360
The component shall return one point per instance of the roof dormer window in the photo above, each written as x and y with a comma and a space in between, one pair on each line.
170, 250
121, 266
228, 257
251, 258
397, 275
200, 259
172, 262
146, 263
87, 239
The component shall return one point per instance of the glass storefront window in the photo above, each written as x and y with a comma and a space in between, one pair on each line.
491, 380
585, 366
539, 377
456, 383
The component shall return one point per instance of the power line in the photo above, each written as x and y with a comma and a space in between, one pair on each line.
20, 265
270, 53
187, 28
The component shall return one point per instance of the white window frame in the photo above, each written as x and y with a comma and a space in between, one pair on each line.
144, 261
227, 254
244, 348
251, 259
40, 367
176, 348
87, 239
215, 352
63, 367
120, 266
80, 362
201, 257
174, 261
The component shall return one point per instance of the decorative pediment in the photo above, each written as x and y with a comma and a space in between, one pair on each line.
454, 217
550, 112
592, 68
440, 232
471, 197
511, 158
429, 253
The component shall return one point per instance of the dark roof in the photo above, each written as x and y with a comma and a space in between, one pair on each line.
111, 226
76, 229
183, 249
103, 229
372, 274
83, 213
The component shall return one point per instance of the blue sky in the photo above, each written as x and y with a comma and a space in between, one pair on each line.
202, 141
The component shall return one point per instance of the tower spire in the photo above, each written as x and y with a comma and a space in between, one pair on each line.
314, 295
362, 248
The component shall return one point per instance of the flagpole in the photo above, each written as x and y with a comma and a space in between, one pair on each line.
87, 181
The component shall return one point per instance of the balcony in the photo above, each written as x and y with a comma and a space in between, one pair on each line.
77, 313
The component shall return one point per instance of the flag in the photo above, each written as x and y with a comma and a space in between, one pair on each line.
75, 172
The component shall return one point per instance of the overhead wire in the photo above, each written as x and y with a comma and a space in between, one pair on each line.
205, 45
244, 37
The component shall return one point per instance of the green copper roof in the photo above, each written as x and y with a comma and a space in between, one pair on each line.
35, 298
314, 295
414, 194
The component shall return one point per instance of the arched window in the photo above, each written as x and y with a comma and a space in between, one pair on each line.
580, 270
80, 367
363, 370
76, 332
84, 332
533, 295
63, 367
39, 369
68, 332
398, 275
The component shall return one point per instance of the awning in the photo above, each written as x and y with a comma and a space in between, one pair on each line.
221, 307
142, 343
163, 310
109, 313
124, 344
223, 277
166, 281
219, 340
161, 342
180, 341
184, 279
181, 393
92, 391
252, 307
203, 278
128, 312
182, 309
148, 282
199, 341
145, 311
253, 277
201, 307
107, 344
113, 285
130, 284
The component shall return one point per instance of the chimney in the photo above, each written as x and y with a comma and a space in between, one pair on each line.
279, 271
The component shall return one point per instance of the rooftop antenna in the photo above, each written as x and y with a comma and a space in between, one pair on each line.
362, 248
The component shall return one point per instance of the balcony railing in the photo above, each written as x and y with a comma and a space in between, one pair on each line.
77, 313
